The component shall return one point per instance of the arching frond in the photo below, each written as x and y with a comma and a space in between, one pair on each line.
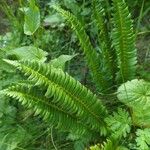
90, 53
67, 93
124, 41
31, 97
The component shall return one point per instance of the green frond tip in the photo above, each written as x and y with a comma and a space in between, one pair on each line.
91, 55
124, 41
67, 93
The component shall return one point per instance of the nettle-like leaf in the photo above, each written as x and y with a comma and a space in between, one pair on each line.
53, 20
61, 60
29, 52
136, 95
143, 139
119, 123
32, 18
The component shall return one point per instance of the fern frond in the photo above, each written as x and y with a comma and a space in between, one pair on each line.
112, 145
143, 139
33, 98
68, 93
108, 53
119, 123
89, 51
108, 145
124, 41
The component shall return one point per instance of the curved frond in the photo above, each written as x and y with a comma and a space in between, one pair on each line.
31, 97
67, 93
89, 51
124, 41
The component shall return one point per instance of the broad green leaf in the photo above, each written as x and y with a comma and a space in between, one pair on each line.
53, 20
32, 19
29, 52
61, 60
73, 6
136, 95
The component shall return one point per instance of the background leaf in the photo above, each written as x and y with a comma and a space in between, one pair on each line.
29, 52
32, 19
61, 60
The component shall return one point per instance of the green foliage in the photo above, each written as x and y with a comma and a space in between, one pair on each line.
61, 60
65, 91
32, 18
53, 20
124, 41
89, 51
119, 123
136, 95
108, 145
108, 54
143, 139
108, 43
28, 52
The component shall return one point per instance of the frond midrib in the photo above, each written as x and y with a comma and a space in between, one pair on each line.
47, 104
49, 82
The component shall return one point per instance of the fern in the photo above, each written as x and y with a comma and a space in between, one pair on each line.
124, 41
136, 95
104, 39
143, 139
32, 98
108, 145
67, 93
112, 145
90, 53
119, 123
